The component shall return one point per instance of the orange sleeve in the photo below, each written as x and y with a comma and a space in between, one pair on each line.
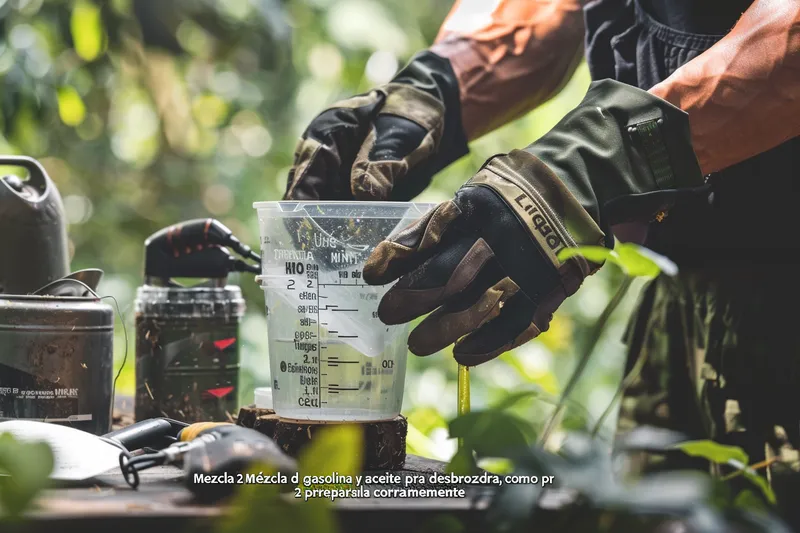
509, 55
743, 94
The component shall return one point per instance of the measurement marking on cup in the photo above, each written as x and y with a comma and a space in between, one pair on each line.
319, 350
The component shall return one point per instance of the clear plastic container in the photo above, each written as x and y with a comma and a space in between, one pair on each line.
331, 358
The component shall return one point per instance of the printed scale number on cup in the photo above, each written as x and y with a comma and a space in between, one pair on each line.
323, 286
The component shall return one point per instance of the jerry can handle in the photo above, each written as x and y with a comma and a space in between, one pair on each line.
37, 174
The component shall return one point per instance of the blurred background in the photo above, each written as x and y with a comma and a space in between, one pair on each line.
148, 112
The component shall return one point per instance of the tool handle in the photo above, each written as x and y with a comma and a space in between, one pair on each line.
152, 433
196, 249
234, 453
37, 176
199, 428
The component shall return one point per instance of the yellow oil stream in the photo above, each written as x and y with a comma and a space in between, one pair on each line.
463, 394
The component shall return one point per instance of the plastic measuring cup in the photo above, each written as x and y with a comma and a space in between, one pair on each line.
331, 358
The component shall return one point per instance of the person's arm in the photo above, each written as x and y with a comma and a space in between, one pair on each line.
492, 62
509, 56
743, 94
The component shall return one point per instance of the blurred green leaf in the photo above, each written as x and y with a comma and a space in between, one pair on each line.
335, 449
490, 433
708, 449
27, 467
596, 254
634, 260
418, 443
665, 264
87, 30
514, 398
759, 481
728, 455
513, 506
259, 504
426, 419
634, 263
496, 465
70, 106
463, 463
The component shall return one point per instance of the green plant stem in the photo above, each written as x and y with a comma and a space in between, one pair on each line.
626, 382
463, 394
594, 338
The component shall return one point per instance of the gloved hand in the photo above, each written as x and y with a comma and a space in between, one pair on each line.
486, 263
385, 144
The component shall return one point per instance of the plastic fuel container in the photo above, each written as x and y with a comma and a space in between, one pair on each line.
331, 358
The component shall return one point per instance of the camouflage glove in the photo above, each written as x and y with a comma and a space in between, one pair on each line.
486, 263
386, 144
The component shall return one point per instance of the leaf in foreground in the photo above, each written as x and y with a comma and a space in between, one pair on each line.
490, 433
27, 467
337, 449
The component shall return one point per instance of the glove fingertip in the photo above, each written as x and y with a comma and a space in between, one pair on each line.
387, 311
381, 266
419, 347
465, 354
472, 359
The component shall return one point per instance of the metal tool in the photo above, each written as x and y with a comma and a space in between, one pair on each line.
80, 457
211, 449
187, 347
153, 433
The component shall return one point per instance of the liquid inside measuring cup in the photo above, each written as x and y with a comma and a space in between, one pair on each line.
331, 358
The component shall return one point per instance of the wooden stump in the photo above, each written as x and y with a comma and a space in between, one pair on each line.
384, 442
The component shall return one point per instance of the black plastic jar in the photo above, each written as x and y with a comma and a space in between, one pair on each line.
187, 352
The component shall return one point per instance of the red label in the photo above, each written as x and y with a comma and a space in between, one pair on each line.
224, 343
220, 392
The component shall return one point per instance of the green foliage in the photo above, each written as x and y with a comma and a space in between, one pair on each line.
87, 30
490, 433
70, 106
418, 443
584, 467
718, 453
731, 456
515, 398
334, 449
634, 260
25, 468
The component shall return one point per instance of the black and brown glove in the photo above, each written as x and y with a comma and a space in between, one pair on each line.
386, 144
485, 264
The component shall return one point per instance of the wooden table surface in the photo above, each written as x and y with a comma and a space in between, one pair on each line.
163, 503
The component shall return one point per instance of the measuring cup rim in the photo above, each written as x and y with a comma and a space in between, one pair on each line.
293, 205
